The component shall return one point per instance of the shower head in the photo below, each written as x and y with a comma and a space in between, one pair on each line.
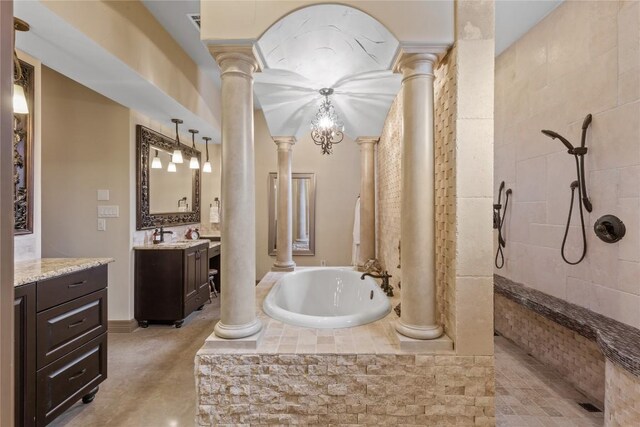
587, 122
554, 135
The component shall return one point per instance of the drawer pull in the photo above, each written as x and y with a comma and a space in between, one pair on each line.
78, 375
79, 322
75, 285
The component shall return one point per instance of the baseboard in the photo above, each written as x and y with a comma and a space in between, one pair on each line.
122, 326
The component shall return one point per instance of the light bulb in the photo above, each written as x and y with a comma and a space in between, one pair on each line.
171, 167
206, 167
194, 163
156, 163
325, 122
19, 100
176, 157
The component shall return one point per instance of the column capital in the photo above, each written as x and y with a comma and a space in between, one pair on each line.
241, 58
284, 142
418, 60
367, 140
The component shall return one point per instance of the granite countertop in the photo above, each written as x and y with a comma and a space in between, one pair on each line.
178, 244
619, 342
45, 268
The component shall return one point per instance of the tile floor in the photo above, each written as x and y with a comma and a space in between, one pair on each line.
530, 394
151, 383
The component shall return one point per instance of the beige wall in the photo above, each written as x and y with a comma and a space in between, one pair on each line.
85, 147
582, 58
463, 91
337, 186
27, 246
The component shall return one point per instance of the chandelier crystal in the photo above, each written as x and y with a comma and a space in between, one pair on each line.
327, 128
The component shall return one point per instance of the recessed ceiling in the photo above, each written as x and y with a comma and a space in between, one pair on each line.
331, 46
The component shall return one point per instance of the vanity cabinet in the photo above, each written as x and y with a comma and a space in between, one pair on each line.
60, 344
24, 311
170, 283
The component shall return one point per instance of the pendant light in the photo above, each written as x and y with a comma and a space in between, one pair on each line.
171, 167
207, 165
193, 163
176, 157
20, 105
156, 163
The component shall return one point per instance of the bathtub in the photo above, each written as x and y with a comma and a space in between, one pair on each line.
326, 298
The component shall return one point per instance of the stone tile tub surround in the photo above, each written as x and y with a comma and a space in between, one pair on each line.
340, 376
582, 58
45, 268
577, 342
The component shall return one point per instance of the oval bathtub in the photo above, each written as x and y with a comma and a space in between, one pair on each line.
326, 298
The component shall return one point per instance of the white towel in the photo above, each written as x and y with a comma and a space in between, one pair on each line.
214, 215
356, 234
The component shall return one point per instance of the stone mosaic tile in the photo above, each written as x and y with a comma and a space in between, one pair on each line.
619, 342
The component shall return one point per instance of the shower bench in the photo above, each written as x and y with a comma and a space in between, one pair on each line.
593, 352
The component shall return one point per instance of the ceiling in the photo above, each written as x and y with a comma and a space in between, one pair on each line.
515, 17
331, 46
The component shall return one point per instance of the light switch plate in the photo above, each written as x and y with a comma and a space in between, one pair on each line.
108, 211
102, 224
103, 195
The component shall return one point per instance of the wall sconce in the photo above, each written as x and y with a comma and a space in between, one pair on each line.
20, 105
193, 163
176, 157
207, 165
156, 163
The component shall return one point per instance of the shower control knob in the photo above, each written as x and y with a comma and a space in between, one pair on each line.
609, 228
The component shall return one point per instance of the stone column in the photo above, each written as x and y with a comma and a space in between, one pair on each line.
284, 232
367, 200
302, 235
417, 226
237, 261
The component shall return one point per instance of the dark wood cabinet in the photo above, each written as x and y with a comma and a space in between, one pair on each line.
60, 344
24, 309
170, 283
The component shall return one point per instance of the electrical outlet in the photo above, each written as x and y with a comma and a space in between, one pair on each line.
102, 224
323, 263
103, 194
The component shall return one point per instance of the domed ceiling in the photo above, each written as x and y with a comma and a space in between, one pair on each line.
330, 46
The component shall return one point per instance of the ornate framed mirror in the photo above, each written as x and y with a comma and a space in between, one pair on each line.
165, 197
23, 129
303, 197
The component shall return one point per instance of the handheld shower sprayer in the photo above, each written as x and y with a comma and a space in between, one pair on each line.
498, 223
580, 184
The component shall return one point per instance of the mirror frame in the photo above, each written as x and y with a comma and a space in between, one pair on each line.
23, 207
145, 220
272, 181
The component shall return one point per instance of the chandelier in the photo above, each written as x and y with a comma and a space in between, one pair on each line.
327, 128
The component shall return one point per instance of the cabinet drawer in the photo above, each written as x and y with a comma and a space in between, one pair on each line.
215, 251
66, 380
68, 326
196, 301
61, 289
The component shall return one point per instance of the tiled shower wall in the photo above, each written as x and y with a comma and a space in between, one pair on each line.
582, 58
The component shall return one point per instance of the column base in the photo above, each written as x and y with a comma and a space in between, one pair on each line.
237, 331
419, 332
283, 266
301, 241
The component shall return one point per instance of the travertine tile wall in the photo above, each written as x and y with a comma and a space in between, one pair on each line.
582, 58
622, 397
355, 389
576, 358
464, 168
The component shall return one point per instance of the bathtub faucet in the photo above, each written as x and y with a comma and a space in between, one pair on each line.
386, 287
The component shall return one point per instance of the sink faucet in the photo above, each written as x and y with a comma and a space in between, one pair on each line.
386, 287
160, 233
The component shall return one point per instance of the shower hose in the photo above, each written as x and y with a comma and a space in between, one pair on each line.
499, 261
581, 190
